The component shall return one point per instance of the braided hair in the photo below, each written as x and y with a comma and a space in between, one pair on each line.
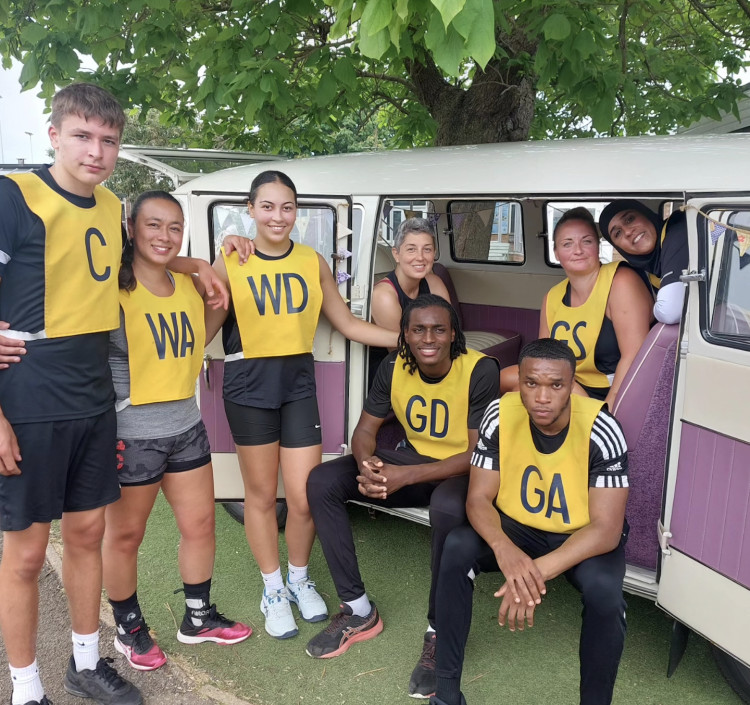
458, 346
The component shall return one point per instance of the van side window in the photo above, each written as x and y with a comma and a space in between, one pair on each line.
486, 231
314, 226
729, 274
397, 211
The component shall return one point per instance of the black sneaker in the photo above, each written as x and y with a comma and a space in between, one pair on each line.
423, 681
134, 642
215, 627
344, 630
43, 701
103, 685
434, 700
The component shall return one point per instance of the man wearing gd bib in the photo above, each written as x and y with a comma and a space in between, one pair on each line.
547, 493
438, 390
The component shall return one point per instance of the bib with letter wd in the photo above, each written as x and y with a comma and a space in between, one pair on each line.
166, 336
547, 491
580, 326
276, 301
81, 258
435, 416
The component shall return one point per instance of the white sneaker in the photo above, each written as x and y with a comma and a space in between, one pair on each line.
312, 608
278, 612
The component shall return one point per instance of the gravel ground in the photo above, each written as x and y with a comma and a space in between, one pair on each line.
173, 684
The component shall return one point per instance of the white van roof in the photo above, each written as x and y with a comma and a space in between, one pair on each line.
716, 163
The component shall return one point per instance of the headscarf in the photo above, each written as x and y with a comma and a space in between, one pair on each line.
648, 262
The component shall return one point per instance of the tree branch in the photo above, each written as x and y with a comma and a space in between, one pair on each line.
622, 37
391, 79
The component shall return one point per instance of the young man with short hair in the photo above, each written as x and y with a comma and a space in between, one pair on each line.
438, 390
60, 244
547, 494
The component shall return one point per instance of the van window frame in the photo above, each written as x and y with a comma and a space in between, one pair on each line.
704, 288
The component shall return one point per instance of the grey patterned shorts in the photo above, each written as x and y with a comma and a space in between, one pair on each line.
144, 461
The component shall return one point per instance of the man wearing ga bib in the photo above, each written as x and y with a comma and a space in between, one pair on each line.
60, 243
547, 495
437, 389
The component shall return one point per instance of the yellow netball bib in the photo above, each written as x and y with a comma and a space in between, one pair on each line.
276, 301
434, 416
81, 258
545, 491
579, 326
166, 336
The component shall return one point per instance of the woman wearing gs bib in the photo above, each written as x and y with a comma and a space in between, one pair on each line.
156, 356
603, 312
269, 389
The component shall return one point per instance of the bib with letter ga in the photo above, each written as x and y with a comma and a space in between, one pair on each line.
546, 491
166, 336
580, 326
81, 258
276, 301
435, 416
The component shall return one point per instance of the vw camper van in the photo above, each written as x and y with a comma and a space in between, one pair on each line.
684, 405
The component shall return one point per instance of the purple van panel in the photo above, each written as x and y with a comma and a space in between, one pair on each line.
711, 514
330, 378
484, 317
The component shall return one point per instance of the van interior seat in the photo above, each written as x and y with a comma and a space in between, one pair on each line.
642, 407
501, 343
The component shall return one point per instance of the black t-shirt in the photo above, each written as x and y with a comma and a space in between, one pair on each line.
58, 378
674, 250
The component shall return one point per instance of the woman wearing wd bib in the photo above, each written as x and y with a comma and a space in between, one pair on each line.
155, 356
602, 311
269, 389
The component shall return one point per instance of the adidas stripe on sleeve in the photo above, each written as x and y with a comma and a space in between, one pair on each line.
487, 451
608, 456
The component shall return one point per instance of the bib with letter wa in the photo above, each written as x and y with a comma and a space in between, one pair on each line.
276, 301
435, 416
546, 491
580, 326
81, 258
166, 336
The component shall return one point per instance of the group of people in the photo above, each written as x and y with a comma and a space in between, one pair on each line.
101, 345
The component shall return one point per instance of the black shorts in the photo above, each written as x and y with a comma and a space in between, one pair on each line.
295, 425
67, 466
144, 461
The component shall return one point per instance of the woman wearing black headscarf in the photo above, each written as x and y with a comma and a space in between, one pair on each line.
656, 247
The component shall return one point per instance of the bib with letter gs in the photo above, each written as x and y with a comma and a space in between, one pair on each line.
546, 491
435, 416
166, 336
81, 258
580, 326
276, 301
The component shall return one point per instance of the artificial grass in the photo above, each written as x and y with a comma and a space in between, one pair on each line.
525, 668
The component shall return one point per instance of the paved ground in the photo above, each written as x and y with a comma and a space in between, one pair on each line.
172, 684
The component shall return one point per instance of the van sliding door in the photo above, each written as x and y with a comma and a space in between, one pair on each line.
323, 223
705, 569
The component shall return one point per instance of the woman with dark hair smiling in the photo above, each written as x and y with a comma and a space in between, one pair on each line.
654, 246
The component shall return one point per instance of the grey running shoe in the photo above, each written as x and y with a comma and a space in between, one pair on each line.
103, 685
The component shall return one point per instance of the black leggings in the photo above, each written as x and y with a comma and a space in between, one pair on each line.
331, 485
598, 579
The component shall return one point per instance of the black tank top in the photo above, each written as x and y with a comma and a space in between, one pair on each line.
403, 299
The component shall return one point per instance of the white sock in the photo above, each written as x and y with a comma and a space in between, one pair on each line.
273, 581
27, 686
361, 607
296, 573
86, 651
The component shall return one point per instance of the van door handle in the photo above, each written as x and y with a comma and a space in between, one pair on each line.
206, 367
694, 276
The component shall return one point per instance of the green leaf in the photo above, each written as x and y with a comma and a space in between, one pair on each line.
159, 4
476, 24
376, 16
448, 9
68, 61
447, 47
402, 9
327, 89
344, 71
375, 45
556, 27
584, 43
33, 33
602, 113
30, 72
